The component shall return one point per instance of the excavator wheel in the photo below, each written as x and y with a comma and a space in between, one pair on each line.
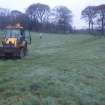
22, 53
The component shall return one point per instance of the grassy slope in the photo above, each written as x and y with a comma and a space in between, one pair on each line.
59, 70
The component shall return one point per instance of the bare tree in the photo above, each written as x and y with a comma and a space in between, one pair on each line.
89, 13
3, 17
14, 16
38, 13
101, 17
63, 17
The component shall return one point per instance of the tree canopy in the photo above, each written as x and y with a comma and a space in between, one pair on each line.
95, 15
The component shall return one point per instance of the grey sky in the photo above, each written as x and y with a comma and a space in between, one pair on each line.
74, 5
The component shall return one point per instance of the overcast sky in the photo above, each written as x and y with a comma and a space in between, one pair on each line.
74, 5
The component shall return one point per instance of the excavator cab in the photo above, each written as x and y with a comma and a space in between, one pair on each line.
15, 41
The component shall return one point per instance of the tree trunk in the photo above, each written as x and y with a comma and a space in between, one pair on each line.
89, 26
92, 27
102, 26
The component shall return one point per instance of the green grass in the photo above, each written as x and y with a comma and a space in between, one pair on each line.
59, 70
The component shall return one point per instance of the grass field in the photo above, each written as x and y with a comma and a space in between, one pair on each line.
59, 70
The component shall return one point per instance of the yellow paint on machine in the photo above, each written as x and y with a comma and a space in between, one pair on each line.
12, 41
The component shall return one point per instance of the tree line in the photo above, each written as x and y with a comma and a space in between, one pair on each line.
41, 18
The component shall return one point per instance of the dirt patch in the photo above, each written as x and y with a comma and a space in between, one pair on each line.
34, 87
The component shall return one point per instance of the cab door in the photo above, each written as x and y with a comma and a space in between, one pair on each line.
28, 37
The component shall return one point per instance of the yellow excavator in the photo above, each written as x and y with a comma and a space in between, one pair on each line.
14, 42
